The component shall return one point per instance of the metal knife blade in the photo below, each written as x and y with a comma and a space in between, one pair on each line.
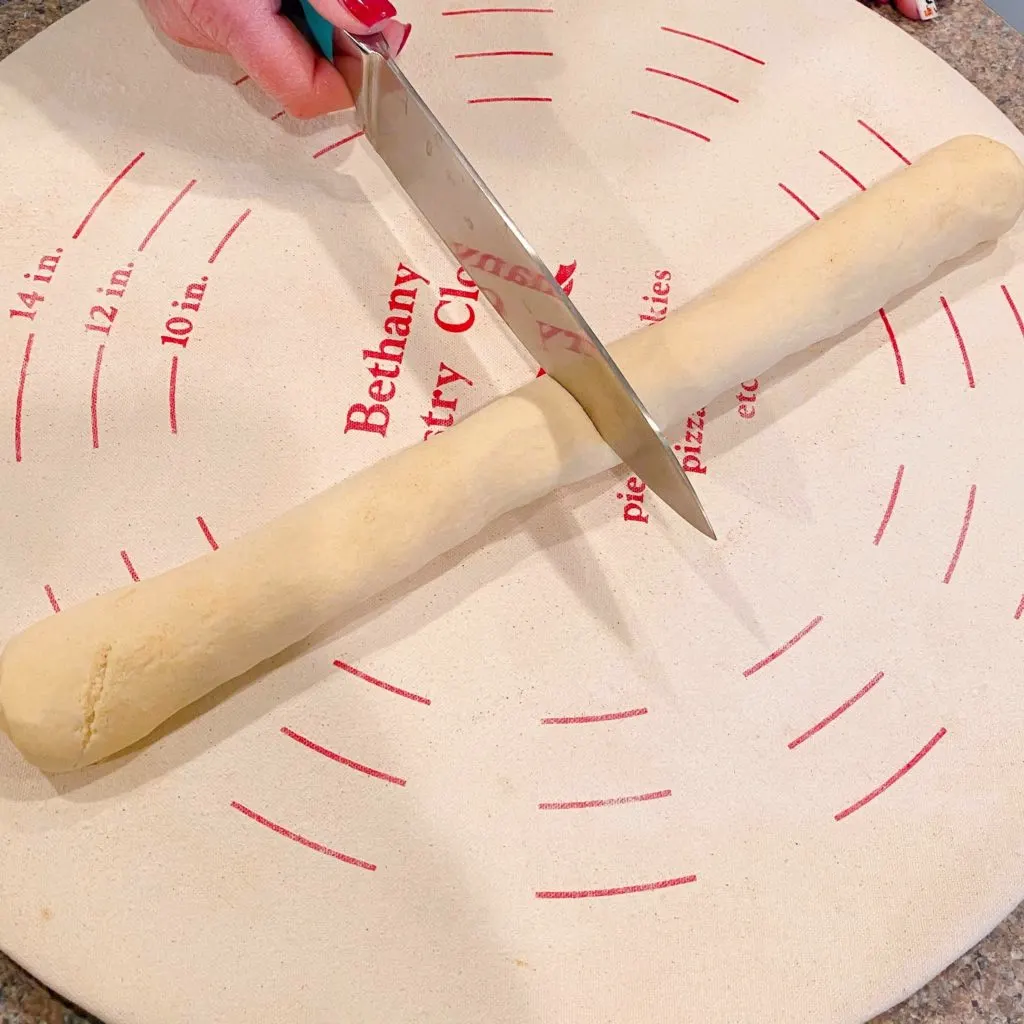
467, 217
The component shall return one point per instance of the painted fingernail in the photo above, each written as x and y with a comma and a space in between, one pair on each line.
405, 39
369, 12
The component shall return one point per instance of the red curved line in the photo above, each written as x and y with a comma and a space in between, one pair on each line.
280, 113
163, 216
52, 598
334, 145
792, 195
712, 42
20, 400
128, 565
963, 534
839, 167
499, 10
172, 395
893, 343
574, 805
1013, 309
512, 99
383, 776
302, 840
669, 124
959, 340
892, 778
506, 53
106, 192
885, 142
829, 719
779, 651
888, 508
94, 400
206, 532
224, 241
1020, 609
615, 716
244, 78
585, 894
692, 81
378, 682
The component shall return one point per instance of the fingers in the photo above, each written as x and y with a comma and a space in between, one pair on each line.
177, 26
361, 17
271, 50
274, 53
910, 9
356, 16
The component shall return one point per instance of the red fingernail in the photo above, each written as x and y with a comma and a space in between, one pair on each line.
405, 39
369, 12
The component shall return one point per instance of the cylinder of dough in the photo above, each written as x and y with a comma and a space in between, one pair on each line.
82, 685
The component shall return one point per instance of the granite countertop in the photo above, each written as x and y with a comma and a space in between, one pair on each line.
986, 985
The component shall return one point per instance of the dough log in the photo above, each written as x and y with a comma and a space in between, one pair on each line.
80, 686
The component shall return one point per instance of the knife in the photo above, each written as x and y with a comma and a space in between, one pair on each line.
467, 217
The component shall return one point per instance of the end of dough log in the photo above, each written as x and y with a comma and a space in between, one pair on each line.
84, 684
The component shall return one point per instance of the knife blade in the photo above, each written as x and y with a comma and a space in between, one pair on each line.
468, 218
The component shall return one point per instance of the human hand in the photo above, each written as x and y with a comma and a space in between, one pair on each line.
918, 10
271, 50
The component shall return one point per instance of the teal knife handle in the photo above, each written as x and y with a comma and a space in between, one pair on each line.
313, 25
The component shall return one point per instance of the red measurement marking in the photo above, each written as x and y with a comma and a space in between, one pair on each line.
959, 340
163, 216
894, 344
299, 738
206, 532
575, 805
106, 192
52, 597
615, 716
828, 719
128, 565
586, 894
500, 10
227, 238
893, 778
94, 401
302, 840
839, 167
669, 124
963, 534
692, 81
885, 142
1013, 309
778, 652
512, 99
381, 683
334, 145
172, 395
712, 42
244, 78
20, 400
505, 53
888, 508
280, 113
792, 195
1020, 609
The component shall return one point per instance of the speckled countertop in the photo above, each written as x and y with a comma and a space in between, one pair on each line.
986, 986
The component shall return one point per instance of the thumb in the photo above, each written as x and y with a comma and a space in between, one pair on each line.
361, 17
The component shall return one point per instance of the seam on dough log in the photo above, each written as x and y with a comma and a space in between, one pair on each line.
93, 693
